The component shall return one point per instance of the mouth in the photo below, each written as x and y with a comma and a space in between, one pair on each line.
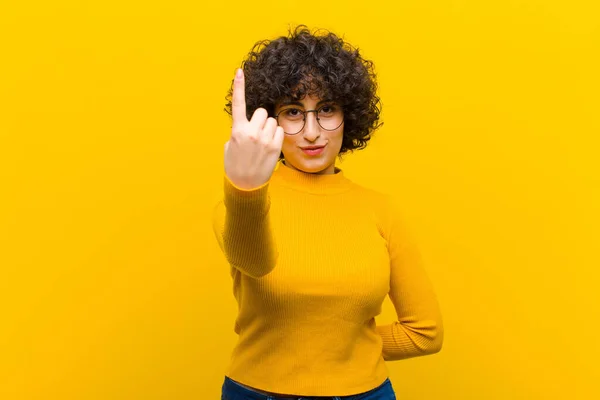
313, 150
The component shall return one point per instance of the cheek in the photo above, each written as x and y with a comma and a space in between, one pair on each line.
288, 141
338, 137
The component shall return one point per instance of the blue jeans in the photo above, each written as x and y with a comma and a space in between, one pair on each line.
231, 390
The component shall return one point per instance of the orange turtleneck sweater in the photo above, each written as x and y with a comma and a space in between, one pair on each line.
312, 258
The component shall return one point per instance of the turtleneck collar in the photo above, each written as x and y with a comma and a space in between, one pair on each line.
311, 183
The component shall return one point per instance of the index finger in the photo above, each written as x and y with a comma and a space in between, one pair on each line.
238, 100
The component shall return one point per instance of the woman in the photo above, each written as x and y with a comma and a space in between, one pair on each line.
312, 254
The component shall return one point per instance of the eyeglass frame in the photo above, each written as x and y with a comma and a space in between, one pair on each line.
304, 113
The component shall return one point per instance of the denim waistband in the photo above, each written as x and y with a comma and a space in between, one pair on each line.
246, 393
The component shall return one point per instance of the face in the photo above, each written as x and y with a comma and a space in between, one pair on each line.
295, 151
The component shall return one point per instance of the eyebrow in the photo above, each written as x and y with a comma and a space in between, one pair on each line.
297, 103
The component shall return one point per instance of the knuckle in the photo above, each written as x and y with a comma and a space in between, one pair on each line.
235, 133
240, 129
274, 147
233, 139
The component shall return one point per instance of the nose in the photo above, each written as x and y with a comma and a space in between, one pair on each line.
311, 127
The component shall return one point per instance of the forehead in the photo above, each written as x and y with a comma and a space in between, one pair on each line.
307, 101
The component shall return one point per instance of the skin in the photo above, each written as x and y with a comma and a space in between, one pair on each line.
312, 134
254, 146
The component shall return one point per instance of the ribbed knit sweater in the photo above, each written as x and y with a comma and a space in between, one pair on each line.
312, 258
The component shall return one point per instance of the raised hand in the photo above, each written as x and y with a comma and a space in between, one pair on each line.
253, 149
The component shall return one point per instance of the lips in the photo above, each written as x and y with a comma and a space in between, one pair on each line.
313, 150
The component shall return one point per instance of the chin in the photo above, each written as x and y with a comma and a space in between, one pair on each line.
314, 170
311, 166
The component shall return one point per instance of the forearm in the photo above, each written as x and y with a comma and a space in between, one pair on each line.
243, 229
406, 339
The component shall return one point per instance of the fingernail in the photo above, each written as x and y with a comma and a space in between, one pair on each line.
238, 73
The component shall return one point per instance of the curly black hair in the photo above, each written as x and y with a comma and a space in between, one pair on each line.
322, 65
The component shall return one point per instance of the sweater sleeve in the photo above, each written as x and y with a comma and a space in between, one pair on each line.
419, 328
241, 224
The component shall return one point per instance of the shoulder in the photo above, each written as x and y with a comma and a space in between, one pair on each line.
382, 201
384, 207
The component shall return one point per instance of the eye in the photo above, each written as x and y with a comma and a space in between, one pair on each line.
328, 109
291, 113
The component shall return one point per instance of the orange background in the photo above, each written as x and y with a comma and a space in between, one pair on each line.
111, 144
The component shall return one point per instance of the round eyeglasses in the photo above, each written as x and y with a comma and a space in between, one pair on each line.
292, 119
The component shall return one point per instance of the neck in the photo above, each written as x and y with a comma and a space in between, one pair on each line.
331, 169
316, 183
